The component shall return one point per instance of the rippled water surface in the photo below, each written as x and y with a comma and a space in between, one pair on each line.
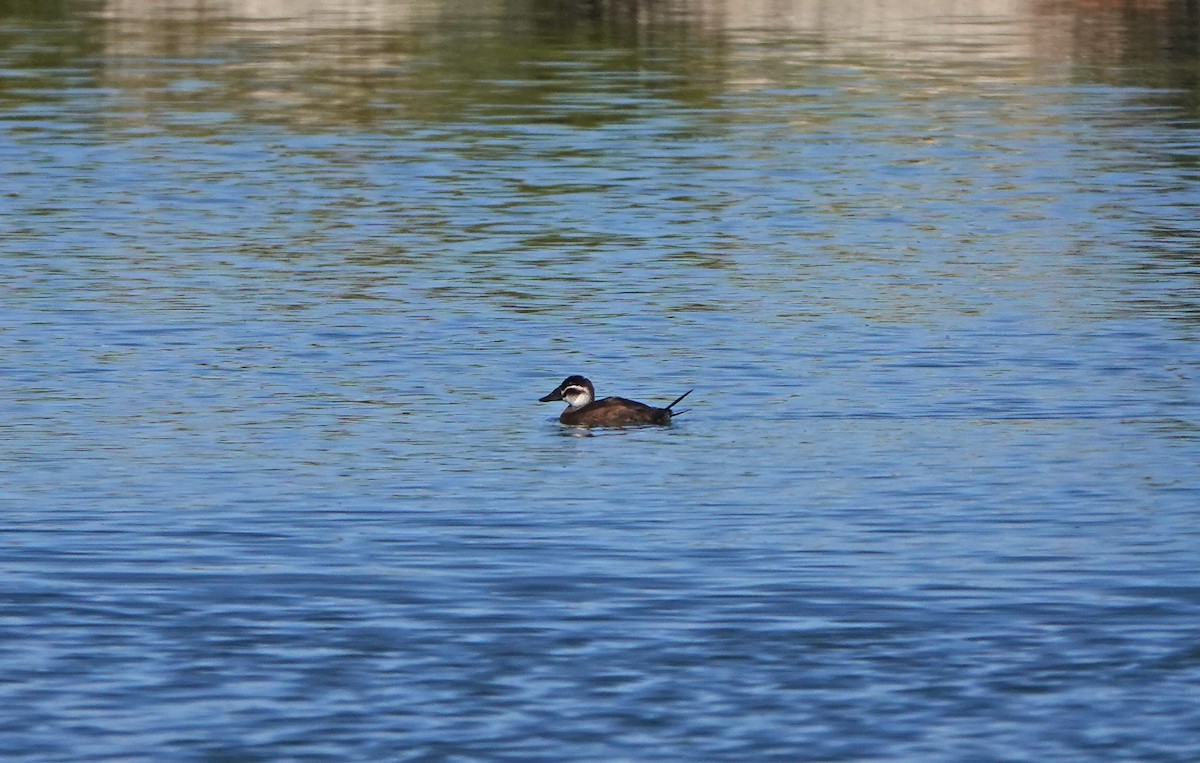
282, 283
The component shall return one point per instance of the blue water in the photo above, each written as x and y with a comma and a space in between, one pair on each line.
279, 295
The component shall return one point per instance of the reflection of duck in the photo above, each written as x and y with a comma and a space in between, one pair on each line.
584, 410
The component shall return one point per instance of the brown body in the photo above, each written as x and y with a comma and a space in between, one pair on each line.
614, 412
584, 410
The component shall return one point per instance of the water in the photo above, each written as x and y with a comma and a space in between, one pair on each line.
283, 283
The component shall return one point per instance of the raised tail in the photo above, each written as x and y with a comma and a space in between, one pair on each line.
685, 394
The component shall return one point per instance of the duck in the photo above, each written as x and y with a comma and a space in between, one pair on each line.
584, 410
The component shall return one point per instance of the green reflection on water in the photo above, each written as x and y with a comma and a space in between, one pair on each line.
319, 64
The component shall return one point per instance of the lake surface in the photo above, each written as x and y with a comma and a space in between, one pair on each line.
281, 283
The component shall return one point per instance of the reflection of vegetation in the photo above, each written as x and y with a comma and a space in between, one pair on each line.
42, 47
1135, 44
574, 63
608, 23
33, 9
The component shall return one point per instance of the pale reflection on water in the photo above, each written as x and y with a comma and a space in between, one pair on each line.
284, 281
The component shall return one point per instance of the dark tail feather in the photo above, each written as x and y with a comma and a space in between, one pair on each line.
685, 394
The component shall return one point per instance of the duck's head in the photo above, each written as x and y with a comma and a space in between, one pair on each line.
575, 390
